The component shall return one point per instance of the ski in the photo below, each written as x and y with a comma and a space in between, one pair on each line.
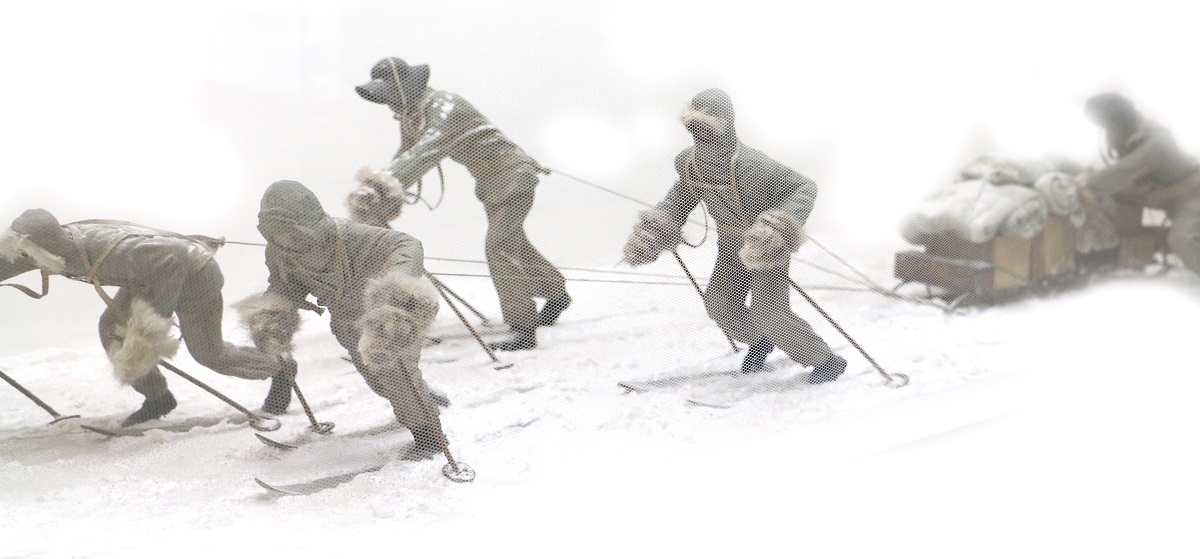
726, 395
181, 427
307, 439
675, 381
310, 486
276, 444
111, 432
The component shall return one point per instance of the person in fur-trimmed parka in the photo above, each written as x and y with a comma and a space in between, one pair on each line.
1150, 166
372, 281
436, 125
760, 207
160, 275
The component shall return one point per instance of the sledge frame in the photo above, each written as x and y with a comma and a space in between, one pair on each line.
1008, 268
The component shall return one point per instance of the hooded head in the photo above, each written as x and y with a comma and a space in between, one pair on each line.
37, 234
395, 83
709, 117
1116, 115
291, 217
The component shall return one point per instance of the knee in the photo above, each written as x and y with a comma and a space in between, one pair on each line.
209, 357
762, 314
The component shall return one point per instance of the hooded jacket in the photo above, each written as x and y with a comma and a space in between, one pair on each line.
442, 124
1148, 159
118, 253
310, 252
736, 182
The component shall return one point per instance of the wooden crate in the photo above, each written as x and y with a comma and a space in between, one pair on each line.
1138, 249
999, 264
1129, 217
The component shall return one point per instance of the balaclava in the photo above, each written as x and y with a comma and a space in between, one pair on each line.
298, 230
709, 118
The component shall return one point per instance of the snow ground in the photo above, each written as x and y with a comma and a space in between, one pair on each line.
1050, 427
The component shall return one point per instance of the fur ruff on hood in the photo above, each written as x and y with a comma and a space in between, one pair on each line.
717, 124
14, 246
401, 308
145, 339
271, 319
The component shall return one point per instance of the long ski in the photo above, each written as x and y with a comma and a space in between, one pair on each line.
308, 487
725, 396
675, 381
300, 441
181, 427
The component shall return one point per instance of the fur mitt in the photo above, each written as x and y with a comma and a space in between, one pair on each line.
144, 339
400, 309
271, 319
774, 236
654, 233
378, 200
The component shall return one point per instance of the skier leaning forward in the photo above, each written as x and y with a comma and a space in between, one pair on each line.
760, 207
372, 281
160, 274
436, 125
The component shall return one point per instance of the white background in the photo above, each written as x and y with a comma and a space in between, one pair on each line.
179, 115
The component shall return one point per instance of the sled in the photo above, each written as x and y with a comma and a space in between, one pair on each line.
1007, 268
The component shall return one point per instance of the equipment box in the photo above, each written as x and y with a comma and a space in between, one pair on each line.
1000, 264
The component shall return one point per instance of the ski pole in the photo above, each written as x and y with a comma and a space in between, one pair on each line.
482, 319
695, 284
453, 470
57, 416
889, 380
257, 422
321, 428
438, 285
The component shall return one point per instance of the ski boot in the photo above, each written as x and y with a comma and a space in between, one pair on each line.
553, 308
152, 408
425, 444
280, 394
756, 357
522, 338
830, 370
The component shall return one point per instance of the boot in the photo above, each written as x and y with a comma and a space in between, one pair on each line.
280, 394
553, 308
425, 444
439, 398
522, 338
830, 370
756, 357
152, 408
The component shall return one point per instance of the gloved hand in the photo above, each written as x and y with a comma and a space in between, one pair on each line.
272, 321
401, 309
770, 240
654, 233
377, 200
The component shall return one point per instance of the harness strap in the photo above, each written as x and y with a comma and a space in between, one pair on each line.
30, 292
92, 269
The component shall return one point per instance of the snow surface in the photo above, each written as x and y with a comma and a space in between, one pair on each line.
1051, 427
